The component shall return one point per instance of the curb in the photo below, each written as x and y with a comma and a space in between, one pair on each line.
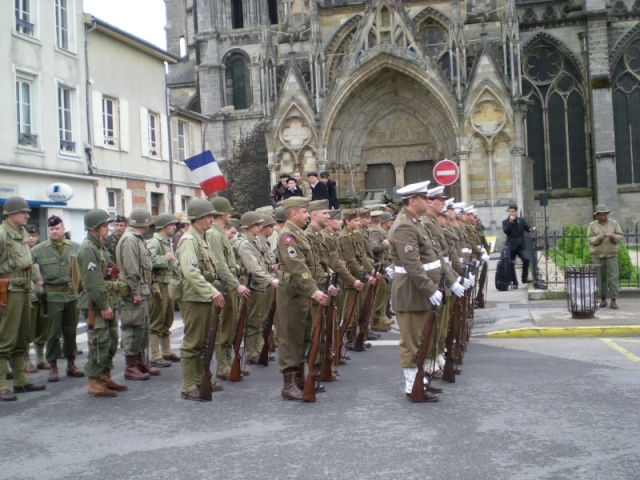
609, 331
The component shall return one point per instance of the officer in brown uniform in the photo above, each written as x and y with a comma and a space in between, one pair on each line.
380, 248
296, 290
418, 268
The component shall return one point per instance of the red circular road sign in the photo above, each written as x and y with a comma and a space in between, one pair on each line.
446, 172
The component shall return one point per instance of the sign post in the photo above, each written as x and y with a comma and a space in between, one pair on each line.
446, 172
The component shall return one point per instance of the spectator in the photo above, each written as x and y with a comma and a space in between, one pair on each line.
302, 185
514, 228
331, 188
275, 197
318, 189
292, 190
603, 236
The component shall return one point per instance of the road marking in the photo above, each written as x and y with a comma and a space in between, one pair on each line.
385, 343
532, 332
621, 350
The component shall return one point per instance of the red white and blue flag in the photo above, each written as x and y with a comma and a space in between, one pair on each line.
206, 172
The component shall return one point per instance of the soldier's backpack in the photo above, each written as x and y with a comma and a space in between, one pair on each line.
504, 270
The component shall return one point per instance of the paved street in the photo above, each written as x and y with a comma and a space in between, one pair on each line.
523, 408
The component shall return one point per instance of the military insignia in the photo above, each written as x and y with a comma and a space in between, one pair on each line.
288, 239
91, 267
305, 275
292, 252
194, 262
408, 248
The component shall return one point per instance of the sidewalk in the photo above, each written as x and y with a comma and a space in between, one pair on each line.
512, 314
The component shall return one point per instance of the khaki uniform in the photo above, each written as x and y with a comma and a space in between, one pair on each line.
253, 254
111, 243
197, 272
377, 235
296, 287
134, 260
55, 266
418, 269
15, 318
227, 271
98, 293
39, 326
161, 314
605, 254
358, 263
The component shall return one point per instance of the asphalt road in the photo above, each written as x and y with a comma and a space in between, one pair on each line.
523, 409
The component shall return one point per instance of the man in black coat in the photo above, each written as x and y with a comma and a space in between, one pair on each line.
331, 188
275, 197
514, 228
318, 189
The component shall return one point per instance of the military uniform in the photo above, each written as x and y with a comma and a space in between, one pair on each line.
161, 314
54, 260
377, 235
111, 243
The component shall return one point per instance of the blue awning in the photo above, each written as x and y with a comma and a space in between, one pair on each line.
39, 203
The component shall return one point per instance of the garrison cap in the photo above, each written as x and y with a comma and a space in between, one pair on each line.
333, 214
385, 217
349, 214
267, 221
318, 205
363, 212
280, 215
412, 189
250, 219
295, 202
53, 220
436, 192
181, 217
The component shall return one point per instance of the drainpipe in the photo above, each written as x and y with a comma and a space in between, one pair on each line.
172, 208
88, 150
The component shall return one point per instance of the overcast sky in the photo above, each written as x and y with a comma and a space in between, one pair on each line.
143, 18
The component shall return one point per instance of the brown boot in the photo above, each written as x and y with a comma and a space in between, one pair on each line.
132, 372
290, 390
72, 370
97, 389
53, 372
108, 382
144, 368
614, 305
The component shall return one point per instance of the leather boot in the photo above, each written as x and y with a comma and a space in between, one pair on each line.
614, 305
603, 303
108, 382
72, 370
132, 372
97, 389
53, 372
144, 368
290, 390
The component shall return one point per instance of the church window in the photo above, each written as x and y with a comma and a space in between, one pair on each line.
273, 11
626, 114
237, 15
556, 128
237, 82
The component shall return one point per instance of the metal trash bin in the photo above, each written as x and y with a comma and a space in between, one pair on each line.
581, 290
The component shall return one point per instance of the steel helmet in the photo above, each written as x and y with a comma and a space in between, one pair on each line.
15, 205
163, 220
221, 205
249, 219
94, 218
140, 217
199, 207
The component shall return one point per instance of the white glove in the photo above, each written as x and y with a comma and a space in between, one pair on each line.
436, 298
485, 257
390, 272
457, 289
467, 283
472, 279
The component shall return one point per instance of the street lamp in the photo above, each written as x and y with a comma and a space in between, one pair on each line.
224, 111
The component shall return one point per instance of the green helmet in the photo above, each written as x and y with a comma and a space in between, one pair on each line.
199, 207
163, 220
250, 218
280, 215
267, 220
94, 218
221, 205
140, 217
15, 205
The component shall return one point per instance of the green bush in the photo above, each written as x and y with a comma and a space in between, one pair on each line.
624, 262
578, 245
566, 233
569, 238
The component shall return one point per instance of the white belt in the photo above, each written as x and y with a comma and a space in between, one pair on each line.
425, 266
479, 247
446, 259
461, 260
465, 250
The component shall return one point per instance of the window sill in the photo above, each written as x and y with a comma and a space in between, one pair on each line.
113, 148
28, 151
28, 38
68, 53
73, 156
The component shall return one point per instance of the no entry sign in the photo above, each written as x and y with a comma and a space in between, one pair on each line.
446, 172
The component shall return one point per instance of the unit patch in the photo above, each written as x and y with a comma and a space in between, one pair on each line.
292, 252
408, 248
91, 267
194, 262
288, 239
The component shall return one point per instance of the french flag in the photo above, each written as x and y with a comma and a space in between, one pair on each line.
206, 172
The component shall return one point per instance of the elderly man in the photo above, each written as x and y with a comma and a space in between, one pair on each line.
604, 236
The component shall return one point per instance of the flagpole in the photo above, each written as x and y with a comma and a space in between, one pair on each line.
225, 111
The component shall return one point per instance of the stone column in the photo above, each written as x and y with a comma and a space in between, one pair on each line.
463, 163
400, 174
522, 176
597, 49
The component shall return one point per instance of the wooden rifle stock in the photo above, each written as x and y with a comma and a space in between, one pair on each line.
482, 281
363, 319
205, 383
309, 392
351, 308
418, 391
452, 343
264, 353
326, 372
235, 375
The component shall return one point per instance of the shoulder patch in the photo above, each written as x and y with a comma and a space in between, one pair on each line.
408, 248
287, 239
91, 267
292, 252
194, 262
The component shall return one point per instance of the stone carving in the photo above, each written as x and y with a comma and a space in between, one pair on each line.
488, 118
295, 133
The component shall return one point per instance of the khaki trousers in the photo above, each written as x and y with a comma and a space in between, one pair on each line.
197, 319
227, 333
15, 334
294, 327
411, 330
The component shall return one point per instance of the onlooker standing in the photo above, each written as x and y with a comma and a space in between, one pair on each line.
331, 188
275, 197
318, 189
292, 190
603, 236
302, 185
514, 228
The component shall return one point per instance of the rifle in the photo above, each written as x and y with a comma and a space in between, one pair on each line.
418, 391
346, 321
91, 322
235, 374
266, 333
449, 371
205, 383
482, 282
309, 392
464, 319
326, 371
363, 319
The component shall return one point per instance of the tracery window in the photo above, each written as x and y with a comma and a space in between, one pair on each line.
626, 114
237, 81
437, 38
556, 120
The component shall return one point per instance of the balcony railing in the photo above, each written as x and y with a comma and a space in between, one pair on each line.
22, 26
67, 146
28, 139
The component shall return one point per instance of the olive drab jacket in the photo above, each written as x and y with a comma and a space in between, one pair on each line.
15, 258
455, 249
336, 260
227, 268
134, 260
297, 262
55, 268
377, 235
442, 247
197, 267
321, 253
417, 264
163, 269
354, 254
93, 257
253, 255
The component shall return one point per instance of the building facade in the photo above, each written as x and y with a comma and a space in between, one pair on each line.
528, 97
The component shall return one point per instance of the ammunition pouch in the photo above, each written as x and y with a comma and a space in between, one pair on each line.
175, 285
65, 287
4, 292
284, 278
